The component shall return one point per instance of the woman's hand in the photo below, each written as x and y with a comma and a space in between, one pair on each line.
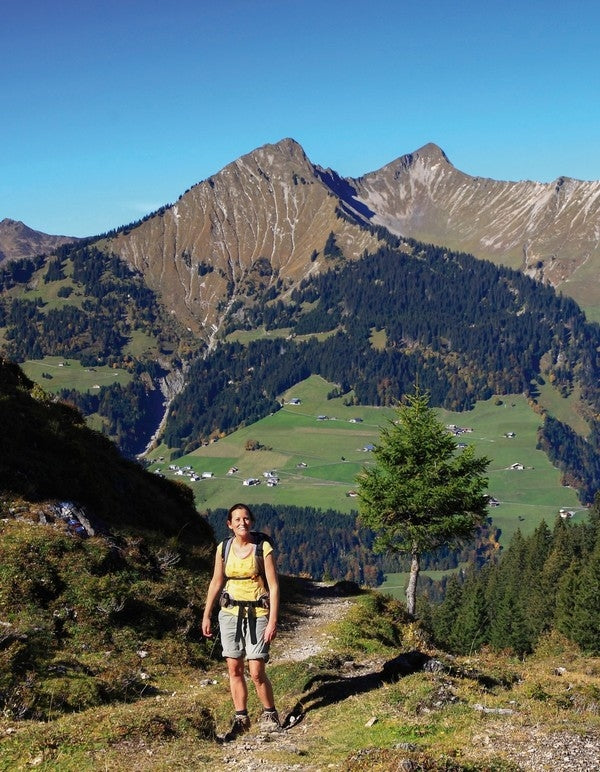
270, 631
206, 628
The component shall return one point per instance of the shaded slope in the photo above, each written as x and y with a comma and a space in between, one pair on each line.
17, 240
51, 454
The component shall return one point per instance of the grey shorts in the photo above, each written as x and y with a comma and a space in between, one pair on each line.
244, 647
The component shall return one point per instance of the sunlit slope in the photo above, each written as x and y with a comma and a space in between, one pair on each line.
317, 448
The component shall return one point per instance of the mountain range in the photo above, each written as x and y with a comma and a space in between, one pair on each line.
272, 211
245, 250
266, 219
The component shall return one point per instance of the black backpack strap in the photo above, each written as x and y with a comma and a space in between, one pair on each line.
225, 549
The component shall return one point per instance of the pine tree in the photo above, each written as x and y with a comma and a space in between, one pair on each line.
585, 619
565, 599
444, 615
421, 494
470, 628
536, 595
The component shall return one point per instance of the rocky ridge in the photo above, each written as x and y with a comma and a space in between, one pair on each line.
549, 230
261, 224
263, 221
17, 240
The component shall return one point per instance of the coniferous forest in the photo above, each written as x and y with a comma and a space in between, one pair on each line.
545, 582
463, 328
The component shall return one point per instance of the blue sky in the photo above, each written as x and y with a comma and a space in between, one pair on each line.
113, 108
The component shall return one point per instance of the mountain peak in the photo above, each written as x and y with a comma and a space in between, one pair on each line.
429, 155
286, 149
18, 240
431, 152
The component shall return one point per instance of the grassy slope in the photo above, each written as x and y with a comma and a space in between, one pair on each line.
70, 374
433, 718
294, 435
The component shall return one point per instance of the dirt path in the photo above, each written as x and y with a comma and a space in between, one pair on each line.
309, 635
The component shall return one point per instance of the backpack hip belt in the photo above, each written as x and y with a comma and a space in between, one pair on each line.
247, 606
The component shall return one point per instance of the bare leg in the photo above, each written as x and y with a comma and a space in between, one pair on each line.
237, 683
261, 681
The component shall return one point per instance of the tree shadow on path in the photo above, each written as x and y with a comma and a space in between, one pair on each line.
326, 689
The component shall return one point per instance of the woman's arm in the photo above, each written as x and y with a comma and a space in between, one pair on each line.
273, 582
214, 589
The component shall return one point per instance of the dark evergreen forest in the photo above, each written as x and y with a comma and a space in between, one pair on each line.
464, 328
545, 582
112, 302
116, 301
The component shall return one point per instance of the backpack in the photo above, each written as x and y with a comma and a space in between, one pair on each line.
258, 538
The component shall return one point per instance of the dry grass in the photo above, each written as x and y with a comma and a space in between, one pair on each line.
478, 713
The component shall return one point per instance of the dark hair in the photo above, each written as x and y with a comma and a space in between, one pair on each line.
239, 506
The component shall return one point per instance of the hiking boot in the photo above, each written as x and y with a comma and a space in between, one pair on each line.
240, 725
269, 721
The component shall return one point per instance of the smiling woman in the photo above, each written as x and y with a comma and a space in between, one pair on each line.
246, 583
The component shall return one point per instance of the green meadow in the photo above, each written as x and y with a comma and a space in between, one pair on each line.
70, 374
317, 459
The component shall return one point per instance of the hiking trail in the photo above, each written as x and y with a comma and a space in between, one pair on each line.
306, 636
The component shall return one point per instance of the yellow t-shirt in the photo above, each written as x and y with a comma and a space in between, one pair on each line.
244, 589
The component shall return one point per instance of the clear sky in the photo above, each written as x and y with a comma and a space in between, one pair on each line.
113, 108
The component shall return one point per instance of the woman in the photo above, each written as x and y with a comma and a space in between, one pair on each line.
247, 586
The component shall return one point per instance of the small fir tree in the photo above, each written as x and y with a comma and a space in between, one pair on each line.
470, 628
585, 620
421, 493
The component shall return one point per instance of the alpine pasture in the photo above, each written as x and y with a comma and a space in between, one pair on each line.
318, 446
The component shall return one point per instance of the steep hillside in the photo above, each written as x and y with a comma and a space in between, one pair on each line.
549, 230
18, 240
98, 559
261, 223
52, 455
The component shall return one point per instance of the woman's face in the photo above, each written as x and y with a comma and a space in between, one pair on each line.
240, 523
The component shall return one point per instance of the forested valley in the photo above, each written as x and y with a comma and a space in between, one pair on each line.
463, 328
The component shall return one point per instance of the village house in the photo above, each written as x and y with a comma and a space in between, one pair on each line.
565, 513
